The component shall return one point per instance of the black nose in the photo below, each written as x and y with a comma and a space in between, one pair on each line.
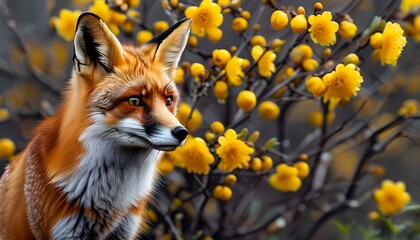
180, 133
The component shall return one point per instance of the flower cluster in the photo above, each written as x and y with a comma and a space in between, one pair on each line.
391, 197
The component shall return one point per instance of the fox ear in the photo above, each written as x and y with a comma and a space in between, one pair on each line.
170, 44
95, 46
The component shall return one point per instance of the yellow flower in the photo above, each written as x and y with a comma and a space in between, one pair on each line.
266, 65
409, 107
258, 40
205, 18
217, 127
215, 35
407, 5
285, 179
221, 91
192, 41
322, 30
198, 71
309, 64
351, 58
279, 20
342, 83
233, 152
246, 100
230, 180
376, 40
347, 29
414, 29
391, 197
239, 24
267, 163
144, 36
160, 26
7, 148
101, 8
221, 57
179, 76
256, 164
268, 110
234, 71
194, 156
4, 114
223, 3
303, 169
66, 23
299, 23
317, 117
300, 53
316, 86
196, 120
165, 165
223, 193
392, 44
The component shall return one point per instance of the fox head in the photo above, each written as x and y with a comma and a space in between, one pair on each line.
130, 93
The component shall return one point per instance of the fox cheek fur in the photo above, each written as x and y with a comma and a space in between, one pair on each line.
89, 170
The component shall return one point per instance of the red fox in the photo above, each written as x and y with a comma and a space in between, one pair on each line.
90, 169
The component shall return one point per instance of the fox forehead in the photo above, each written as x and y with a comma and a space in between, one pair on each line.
138, 74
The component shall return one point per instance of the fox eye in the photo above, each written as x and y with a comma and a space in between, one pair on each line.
135, 101
168, 101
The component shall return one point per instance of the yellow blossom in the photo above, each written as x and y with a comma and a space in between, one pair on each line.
318, 6
7, 148
196, 120
342, 83
303, 169
258, 40
234, 71
230, 180
414, 29
391, 197
198, 71
309, 64
215, 35
323, 29
192, 41
268, 110
233, 152
316, 86
179, 76
299, 23
256, 164
265, 60
223, 193
221, 91
267, 163
409, 107
392, 44
223, 3
239, 24
347, 29
407, 5
217, 127
101, 8
66, 23
221, 57
279, 20
165, 165
209, 136
246, 100
246, 14
205, 18
194, 156
300, 53
144, 36
351, 58
160, 26
285, 179
316, 118
4, 114
276, 44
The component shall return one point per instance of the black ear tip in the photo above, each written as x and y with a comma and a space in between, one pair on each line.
85, 16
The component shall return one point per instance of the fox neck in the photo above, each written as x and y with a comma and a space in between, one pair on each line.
94, 172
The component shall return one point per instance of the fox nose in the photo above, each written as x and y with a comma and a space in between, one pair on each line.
180, 133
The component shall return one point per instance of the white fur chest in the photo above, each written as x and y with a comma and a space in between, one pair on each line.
111, 177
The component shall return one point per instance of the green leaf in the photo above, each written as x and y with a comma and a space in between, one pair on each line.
343, 228
412, 208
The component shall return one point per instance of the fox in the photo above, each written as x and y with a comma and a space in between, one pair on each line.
90, 170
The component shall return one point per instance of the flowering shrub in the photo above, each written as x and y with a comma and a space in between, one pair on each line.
288, 110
